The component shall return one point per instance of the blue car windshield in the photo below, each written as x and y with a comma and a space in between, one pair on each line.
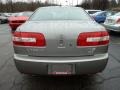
98, 13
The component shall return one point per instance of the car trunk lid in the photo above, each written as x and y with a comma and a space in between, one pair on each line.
61, 38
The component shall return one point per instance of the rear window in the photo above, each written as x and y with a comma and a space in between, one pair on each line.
60, 13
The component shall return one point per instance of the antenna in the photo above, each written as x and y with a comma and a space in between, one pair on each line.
77, 2
72, 2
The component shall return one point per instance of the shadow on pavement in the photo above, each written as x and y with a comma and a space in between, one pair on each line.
116, 34
61, 83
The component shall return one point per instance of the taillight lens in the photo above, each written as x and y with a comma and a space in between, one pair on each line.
29, 39
118, 21
93, 38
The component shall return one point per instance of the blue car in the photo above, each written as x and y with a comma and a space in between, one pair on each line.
100, 17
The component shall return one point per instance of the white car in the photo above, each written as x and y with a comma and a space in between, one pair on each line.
3, 18
112, 23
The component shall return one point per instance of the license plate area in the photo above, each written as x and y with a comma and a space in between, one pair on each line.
61, 69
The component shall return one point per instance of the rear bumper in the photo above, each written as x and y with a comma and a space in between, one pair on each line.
115, 27
82, 65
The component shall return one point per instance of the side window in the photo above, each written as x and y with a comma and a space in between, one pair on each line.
103, 14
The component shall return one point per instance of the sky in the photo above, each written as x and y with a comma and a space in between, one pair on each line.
67, 2
62, 2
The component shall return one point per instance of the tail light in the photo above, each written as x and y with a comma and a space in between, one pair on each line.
118, 21
93, 38
14, 21
29, 39
18, 21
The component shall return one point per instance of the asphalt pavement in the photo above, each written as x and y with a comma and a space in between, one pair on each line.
11, 79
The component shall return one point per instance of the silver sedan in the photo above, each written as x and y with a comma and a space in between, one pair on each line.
112, 23
60, 41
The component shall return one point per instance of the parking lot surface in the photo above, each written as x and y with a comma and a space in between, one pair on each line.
11, 79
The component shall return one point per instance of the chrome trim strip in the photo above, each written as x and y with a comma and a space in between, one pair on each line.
82, 59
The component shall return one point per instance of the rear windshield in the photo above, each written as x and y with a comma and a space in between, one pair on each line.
60, 13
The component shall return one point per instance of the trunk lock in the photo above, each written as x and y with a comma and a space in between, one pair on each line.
61, 42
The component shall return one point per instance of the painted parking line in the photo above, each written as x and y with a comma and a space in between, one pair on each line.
4, 26
115, 43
